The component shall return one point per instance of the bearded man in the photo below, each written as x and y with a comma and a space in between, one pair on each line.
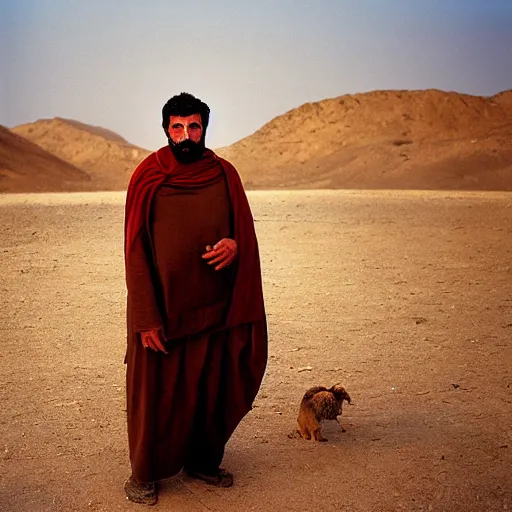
197, 333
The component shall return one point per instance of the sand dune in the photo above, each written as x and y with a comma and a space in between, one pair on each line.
104, 155
24, 166
426, 139
384, 139
94, 130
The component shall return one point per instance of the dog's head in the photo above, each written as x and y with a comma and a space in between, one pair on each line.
340, 394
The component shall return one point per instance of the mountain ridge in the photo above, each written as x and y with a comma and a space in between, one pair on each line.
422, 139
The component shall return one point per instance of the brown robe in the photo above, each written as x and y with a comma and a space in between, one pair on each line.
183, 407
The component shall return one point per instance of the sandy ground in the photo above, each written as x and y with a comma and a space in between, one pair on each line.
404, 297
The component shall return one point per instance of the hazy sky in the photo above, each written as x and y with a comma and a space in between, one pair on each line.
115, 63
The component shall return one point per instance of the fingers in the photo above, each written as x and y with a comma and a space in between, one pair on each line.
218, 259
147, 342
153, 341
224, 263
221, 254
158, 346
213, 253
228, 244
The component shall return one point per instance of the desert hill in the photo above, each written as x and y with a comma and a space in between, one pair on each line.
104, 155
95, 130
383, 139
426, 139
25, 167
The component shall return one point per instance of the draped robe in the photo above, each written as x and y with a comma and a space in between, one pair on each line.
182, 407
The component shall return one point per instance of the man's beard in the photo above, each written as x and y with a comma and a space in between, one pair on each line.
187, 151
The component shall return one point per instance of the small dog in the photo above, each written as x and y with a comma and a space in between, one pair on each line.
320, 403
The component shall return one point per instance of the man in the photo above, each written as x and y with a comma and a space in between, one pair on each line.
197, 333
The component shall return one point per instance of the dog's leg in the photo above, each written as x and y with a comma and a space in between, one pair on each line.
317, 434
341, 426
304, 432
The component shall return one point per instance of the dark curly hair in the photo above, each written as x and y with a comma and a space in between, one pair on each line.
185, 104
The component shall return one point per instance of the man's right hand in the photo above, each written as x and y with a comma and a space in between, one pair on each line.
153, 340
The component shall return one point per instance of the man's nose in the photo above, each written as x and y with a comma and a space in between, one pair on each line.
185, 133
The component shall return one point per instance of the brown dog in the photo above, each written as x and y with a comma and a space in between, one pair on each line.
320, 403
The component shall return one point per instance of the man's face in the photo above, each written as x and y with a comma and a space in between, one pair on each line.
183, 128
185, 137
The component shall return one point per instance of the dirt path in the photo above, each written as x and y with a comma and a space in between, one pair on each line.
404, 297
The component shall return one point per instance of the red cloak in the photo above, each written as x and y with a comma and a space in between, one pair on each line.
247, 303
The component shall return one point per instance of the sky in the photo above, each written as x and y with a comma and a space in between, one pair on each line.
115, 63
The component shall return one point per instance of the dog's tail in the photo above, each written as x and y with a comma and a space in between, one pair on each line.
310, 393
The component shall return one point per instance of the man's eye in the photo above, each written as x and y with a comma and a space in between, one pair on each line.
195, 126
176, 126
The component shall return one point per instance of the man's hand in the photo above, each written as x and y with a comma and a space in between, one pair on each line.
222, 254
153, 340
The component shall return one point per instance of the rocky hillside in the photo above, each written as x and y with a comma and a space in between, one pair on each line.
104, 155
383, 139
25, 167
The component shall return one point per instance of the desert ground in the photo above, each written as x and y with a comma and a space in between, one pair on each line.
404, 297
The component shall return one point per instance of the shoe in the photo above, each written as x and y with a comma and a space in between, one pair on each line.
221, 478
144, 493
